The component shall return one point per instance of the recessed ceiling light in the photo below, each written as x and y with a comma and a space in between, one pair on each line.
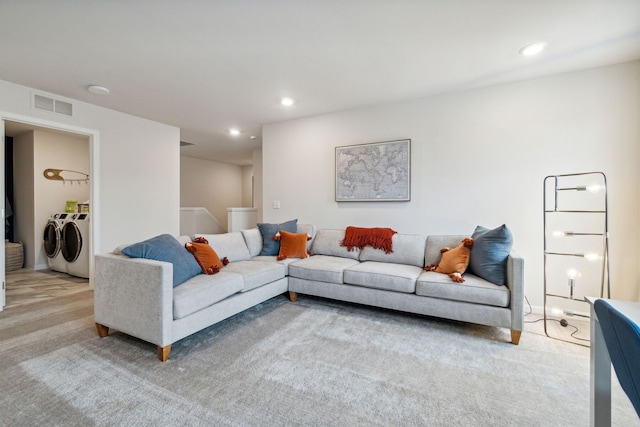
532, 49
98, 90
234, 132
286, 101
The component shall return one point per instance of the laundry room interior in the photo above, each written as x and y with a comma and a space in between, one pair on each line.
47, 227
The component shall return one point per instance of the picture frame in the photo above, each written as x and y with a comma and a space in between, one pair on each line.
374, 172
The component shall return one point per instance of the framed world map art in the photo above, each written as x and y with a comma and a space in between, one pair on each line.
377, 172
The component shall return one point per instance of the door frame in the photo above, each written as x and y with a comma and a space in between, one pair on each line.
94, 183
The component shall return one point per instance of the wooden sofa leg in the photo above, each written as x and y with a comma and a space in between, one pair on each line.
293, 296
103, 331
163, 353
515, 336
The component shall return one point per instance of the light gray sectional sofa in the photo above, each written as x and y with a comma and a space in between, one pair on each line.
136, 296
397, 281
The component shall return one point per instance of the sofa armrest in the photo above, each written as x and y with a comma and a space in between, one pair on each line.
134, 296
515, 282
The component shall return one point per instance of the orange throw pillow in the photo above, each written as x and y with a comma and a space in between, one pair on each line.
455, 260
204, 254
293, 245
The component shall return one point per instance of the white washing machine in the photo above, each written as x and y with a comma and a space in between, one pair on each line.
52, 241
75, 247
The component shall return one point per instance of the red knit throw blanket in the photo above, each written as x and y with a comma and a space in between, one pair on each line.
378, 238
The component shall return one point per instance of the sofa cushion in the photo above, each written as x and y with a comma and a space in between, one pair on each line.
272, 259
455, 260
309, 229
489, 253
383, 275
407, 249
321, 268
230, 245
270, 246
432, 254
473, 290
327, 242
256, 273
293, 245
166, 248
206, 257
204, 290
253, 240
181, 239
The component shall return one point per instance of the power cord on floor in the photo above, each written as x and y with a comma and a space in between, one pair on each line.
530, 309
562, 322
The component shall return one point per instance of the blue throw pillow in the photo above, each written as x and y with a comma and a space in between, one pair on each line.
270, 246
489, 253
167, 248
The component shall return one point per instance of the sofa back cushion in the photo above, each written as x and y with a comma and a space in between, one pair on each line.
435, 243
253, 238
311, 230
327, 242
230, 245
267, 230
184, 239
407, 249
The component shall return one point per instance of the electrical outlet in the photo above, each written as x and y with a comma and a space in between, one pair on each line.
276, 204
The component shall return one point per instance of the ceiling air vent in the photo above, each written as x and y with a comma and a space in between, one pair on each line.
52, 105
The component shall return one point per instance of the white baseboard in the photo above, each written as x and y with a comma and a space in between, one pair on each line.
539, 310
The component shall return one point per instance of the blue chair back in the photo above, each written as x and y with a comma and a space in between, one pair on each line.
622, 337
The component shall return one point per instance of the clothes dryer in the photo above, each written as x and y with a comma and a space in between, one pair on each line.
52, 241
75, 248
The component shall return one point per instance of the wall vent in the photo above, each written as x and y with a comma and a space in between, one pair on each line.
43, 103
52, 105
64, 108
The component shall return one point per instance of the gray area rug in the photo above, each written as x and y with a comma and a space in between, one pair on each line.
315, 362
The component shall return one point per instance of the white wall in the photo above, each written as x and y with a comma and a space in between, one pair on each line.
478, 157
258, 183
247, 186
136, 170
213, 185
36, 151
24, 195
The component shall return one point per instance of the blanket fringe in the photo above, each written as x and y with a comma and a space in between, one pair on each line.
378, 238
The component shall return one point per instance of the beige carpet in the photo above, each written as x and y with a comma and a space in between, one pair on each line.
315, 362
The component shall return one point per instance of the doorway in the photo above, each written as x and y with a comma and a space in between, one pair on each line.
37, 280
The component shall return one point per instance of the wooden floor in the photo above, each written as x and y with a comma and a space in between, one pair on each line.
28, 286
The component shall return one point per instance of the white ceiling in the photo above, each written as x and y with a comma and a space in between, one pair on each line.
206, 66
